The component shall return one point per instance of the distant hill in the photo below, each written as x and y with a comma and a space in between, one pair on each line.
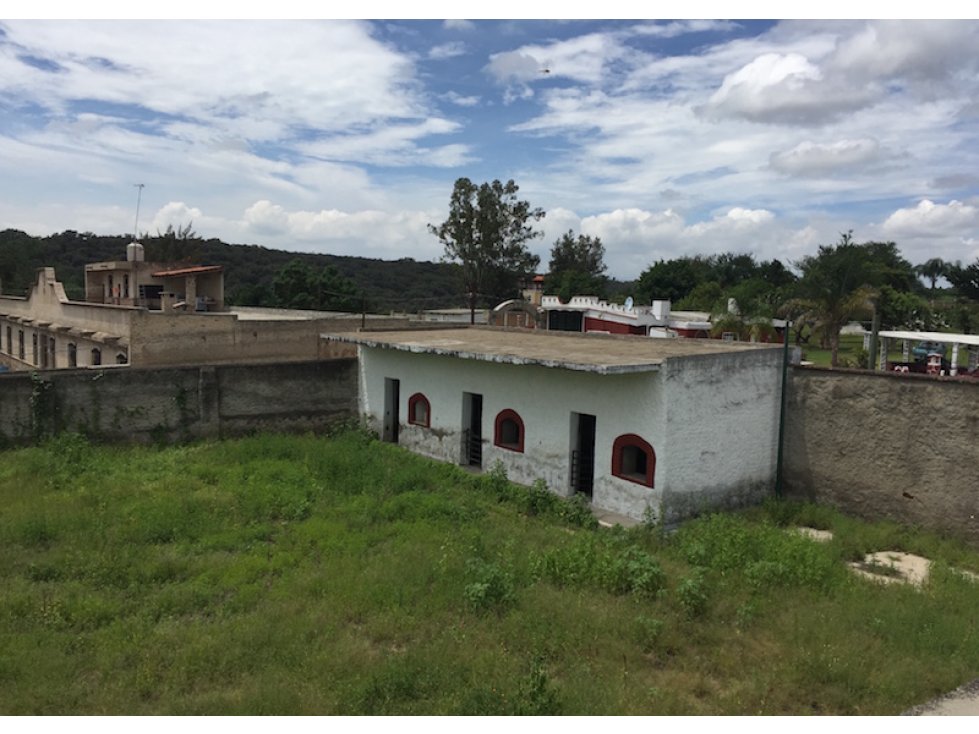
249, 269
387, 285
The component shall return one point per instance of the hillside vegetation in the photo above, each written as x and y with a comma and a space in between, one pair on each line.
310, 575
403, 284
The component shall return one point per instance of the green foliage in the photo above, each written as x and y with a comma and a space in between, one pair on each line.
767, 556
602, 562
310, 575
965, 279
648, 632
691, 594
486, 233
706, 283
299, 286
403, 284
491, 585
841, 282
577, 267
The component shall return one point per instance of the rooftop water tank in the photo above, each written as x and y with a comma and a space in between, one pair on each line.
134, 252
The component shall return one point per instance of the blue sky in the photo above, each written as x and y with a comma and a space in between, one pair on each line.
663, 138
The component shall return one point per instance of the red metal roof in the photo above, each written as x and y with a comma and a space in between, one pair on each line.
195, 270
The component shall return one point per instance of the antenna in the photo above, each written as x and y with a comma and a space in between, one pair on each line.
139, 197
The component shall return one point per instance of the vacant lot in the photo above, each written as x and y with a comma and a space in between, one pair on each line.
343, 576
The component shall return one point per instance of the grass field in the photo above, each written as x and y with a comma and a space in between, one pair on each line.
310, 575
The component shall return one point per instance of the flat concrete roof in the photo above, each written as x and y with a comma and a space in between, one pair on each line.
599, 353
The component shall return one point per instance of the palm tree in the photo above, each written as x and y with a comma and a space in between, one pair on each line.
836, 285
932, 269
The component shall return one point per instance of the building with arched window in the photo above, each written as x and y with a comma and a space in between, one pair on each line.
672, 426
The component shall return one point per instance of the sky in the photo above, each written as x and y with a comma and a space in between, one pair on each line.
663, 138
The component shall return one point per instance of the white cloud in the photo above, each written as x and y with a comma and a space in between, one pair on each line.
819, 159
682, 27
785, 88
175, 214
447, 50
368, 233
460, 100
929, 219
514, 66
458, 25
392, 145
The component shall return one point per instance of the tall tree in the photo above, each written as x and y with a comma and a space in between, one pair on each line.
932, 269
965, 278
577, 266
487, 232
838, 283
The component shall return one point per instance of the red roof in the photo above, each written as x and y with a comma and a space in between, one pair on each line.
187, 271
538, 278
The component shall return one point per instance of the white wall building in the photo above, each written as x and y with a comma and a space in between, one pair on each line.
675, 425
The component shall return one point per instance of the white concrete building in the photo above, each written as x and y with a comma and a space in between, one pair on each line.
674, 425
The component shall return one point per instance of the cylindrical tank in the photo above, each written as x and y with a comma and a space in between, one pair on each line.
134, 252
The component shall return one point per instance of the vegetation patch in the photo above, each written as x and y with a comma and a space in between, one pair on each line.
341, 575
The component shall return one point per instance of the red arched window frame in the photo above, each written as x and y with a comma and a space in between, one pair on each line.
418, 403
508, 432
623, 445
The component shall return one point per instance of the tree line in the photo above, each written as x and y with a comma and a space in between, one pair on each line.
488, 228
485, 239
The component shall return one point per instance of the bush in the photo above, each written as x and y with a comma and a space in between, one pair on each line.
600, 562
691, 593
491, 586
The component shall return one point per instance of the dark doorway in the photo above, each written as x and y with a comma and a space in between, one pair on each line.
582, 453
472, 429
564, 321
392, 398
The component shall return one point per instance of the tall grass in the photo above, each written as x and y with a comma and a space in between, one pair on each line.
309, 575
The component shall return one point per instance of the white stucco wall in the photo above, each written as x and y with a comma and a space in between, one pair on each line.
722, 429
543, 397
712, 421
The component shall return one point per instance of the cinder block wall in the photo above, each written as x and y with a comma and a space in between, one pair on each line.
173, 403
879, 445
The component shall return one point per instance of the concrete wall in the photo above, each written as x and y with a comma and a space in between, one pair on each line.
179, 339
722, 416
712, 422
880, 445
133, 404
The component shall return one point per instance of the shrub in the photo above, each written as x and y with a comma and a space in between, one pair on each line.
648, 632
601, 562
491, 586
691, 592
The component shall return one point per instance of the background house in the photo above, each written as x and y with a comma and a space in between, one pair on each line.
149, 314
676, 426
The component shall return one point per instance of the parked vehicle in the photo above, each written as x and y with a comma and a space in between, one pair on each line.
922, 349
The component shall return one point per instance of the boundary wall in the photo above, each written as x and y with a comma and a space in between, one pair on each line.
885, 446
177, 403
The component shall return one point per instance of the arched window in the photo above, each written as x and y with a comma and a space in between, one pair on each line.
508, 431
419, 410
633, 459
96, 356
121, 358
72, 355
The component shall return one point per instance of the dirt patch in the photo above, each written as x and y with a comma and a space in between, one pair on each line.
893, 567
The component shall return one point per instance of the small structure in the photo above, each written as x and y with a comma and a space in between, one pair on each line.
155, 286
931, 363
668, 426
590, 314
